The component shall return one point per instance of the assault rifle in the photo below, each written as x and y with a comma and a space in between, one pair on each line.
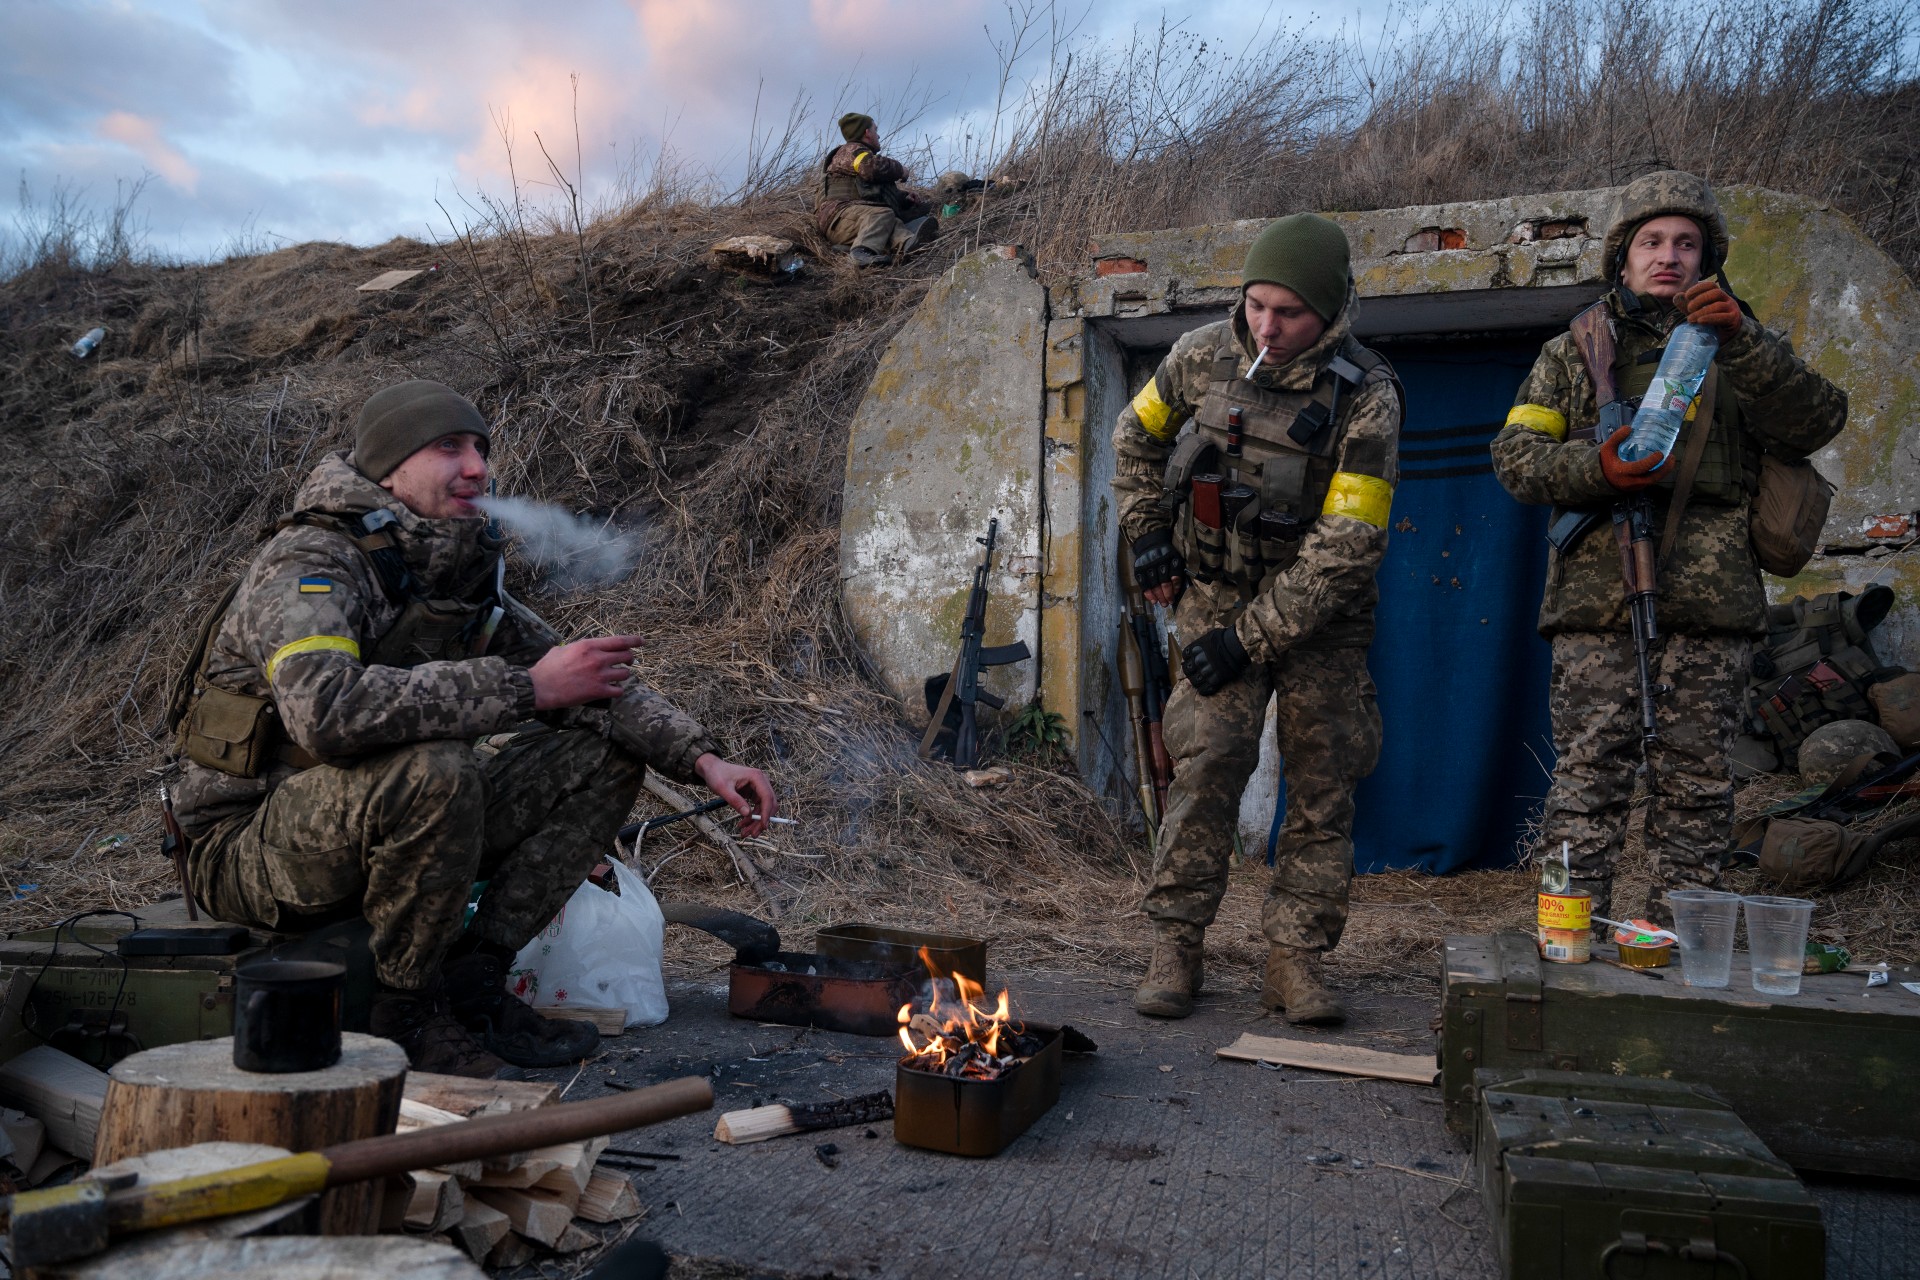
1146, 682
952, 698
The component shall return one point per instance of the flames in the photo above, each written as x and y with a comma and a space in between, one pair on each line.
958, 1035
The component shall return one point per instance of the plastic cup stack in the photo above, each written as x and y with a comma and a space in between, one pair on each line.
1704, 920
1777, 940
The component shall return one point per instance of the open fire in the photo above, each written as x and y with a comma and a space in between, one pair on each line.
958, 1035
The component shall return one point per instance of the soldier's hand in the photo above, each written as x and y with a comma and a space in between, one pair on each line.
572, 675
1711, 307
1158, 568
1215, 660
747, 791
1627, 477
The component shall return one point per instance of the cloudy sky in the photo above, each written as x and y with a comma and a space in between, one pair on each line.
266, 121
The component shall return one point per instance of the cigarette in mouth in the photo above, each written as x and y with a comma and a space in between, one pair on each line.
1256, 363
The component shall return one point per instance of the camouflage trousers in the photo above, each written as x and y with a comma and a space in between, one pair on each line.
1595, 705
867, 226
1329, 735
402, 835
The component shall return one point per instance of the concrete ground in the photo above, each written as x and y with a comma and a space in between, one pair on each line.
1159, 1160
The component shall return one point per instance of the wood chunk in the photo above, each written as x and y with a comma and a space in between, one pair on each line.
396, 1198
480, 1228
529, 1167
27, 1134
540, 1216
511, 1252
466, 1097
757, 1124
573, 1179
610, 1021
387, 280
574, 1239
438, 1202
609, 1197
60, 1091
1341, 1059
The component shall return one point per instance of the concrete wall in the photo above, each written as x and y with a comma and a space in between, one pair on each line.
999, 364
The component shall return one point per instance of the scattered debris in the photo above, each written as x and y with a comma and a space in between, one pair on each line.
88, 341
995, 776
763, 255
1348, 1060
827, 1154
389, 280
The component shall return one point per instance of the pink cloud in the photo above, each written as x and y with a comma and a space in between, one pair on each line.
141, 136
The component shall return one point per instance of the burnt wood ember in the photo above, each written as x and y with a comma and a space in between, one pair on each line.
978, 1115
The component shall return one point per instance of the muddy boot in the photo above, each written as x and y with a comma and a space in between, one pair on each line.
433, 1041
865, 257
1173, 976
477, 992
1294, 984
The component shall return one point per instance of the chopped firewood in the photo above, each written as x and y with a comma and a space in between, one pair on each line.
757, 1124
510, 1253
438, 1202
610, 1021
467, 1097
574, 1239
1413, 1068
572, 1179
609, 1197
563, 1168
59, 1090
480, 1228
540, 1216
396, 1197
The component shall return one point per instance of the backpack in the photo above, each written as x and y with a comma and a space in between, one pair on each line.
1816, 667
1804, 842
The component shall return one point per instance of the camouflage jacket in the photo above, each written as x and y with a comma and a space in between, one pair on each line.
1326, 597
311, 604
1768, 399
854, 173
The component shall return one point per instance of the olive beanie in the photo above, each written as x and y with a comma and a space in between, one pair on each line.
853, 125
1307, 254
400, 420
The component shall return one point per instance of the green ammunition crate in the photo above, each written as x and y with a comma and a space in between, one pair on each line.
1829, 1079
1612, 1177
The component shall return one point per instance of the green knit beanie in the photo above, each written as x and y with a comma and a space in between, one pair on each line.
1308, 254
398, 421
853, 125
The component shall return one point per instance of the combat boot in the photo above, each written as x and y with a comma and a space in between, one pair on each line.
477, 993
865, 257
1173, 979
425, 1029
1294, 984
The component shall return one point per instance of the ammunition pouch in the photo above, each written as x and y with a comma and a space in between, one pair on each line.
433, 631
232, 733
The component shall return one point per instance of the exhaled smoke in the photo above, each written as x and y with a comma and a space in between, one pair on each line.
574, 553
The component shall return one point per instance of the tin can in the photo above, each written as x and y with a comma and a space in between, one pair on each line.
1566, 924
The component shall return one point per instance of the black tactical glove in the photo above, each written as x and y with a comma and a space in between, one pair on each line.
1155, 562
1214, 661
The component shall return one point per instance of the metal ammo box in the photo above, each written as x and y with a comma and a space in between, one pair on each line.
1611, 1176
1829, 1079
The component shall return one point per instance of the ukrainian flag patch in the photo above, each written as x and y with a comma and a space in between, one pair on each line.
315, 586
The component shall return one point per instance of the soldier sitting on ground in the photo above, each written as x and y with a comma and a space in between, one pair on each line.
330, 768
862, 203
1661, 255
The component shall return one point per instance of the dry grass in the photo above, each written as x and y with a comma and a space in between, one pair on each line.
707, 414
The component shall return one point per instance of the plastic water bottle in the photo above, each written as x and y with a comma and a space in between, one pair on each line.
1656, 425
88, 341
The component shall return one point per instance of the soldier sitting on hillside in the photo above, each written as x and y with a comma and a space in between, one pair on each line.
330, 769
862, 203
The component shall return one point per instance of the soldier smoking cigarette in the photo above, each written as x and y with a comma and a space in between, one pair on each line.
1256, 364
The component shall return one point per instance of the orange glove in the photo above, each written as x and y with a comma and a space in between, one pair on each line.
1627, 477
1711, 307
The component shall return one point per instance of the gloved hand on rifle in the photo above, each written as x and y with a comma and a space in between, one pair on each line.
1627, 477
1157, 567
1215, 660
1711, 307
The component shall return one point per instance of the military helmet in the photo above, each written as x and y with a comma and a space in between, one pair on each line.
1656, 195
1831, 748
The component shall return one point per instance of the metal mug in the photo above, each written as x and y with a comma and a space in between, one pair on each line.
286, 1015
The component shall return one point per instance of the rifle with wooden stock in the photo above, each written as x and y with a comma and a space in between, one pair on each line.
1145, 680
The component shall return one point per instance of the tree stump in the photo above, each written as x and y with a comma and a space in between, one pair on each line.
182, 1094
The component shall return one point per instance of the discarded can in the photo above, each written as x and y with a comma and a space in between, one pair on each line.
88, 341
1566, 924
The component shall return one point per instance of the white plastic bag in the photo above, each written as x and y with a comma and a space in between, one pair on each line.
603, 949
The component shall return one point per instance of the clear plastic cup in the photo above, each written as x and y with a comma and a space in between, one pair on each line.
1704, 919
1777, 939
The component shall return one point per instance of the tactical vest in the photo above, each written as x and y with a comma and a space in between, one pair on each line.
1817, 666
1729, 471
1290, 450
240, 734
845, 186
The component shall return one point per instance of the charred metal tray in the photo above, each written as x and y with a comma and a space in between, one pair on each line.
900, 948
976, 1117
838, 995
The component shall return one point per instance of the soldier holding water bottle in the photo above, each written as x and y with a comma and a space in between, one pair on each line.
1663, 256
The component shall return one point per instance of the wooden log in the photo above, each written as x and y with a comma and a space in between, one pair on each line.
540, 1216
574, 1177
181, 1094
438, 1202
62, 1093
609, 1197
468, 1098
272, 1258
480, 1228
216, 1157
511, 1252
574, 1239
757, 1124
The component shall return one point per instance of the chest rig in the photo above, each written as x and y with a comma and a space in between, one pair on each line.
1729, 468
1253, 474
845, 186
240, 734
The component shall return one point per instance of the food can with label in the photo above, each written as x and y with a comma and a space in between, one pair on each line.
1566, 927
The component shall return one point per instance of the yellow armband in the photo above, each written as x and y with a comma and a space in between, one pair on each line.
1157, 418
312, 644
1365, 498
1537, 417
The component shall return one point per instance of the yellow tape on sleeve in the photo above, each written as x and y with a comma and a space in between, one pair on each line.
1537, 417
1158, 418
861, 159
1367, 498
312, 644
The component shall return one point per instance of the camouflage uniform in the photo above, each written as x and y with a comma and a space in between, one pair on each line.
852, 211
1306, 630
399, 816
1710, 602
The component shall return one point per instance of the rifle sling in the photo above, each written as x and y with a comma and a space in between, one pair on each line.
939, 719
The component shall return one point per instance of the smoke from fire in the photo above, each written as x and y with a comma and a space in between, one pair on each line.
573, 552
